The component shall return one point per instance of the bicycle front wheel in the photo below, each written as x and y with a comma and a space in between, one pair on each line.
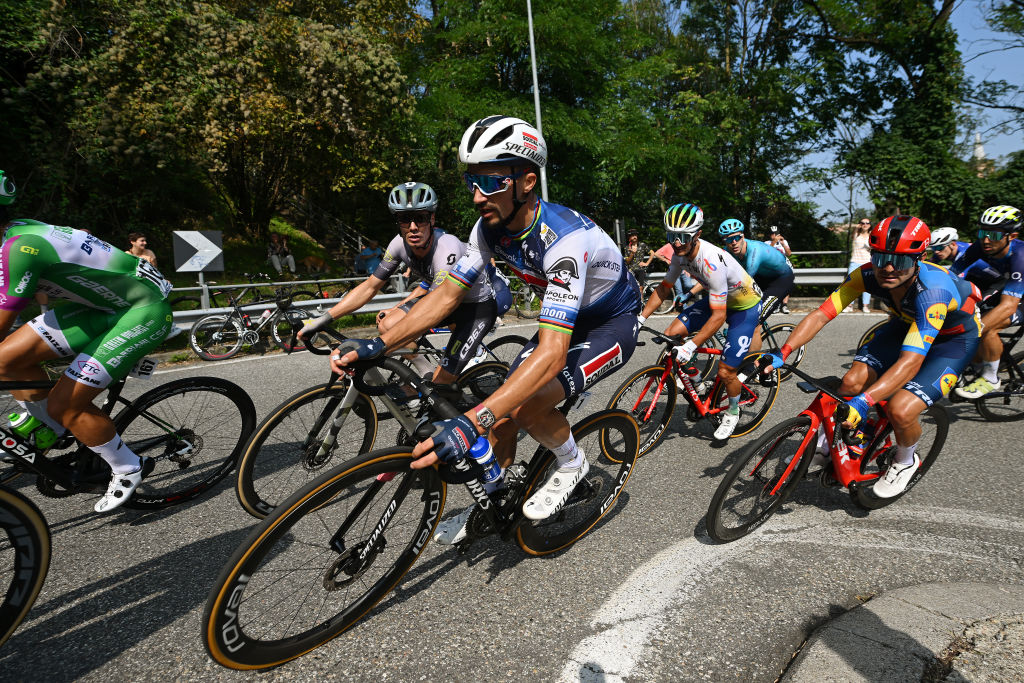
322, 559
609, 440
649, 401
216, 337
527, 301
757, 483
773, 342
300, 439
194, 429
879, 455
24, 558
755, 401
506, 348
1006, 404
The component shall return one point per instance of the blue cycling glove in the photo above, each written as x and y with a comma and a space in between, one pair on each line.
860, 406
774, 358
455, 437
366, 349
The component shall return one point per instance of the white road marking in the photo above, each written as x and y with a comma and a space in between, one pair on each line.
641, 606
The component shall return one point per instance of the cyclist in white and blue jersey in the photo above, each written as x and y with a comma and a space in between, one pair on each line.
946, 246
588, 320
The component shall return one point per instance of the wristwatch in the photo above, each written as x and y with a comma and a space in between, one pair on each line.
484, 417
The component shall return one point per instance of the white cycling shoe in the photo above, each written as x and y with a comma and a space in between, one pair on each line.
727, 426
453, 529
896, 478
121, 488
550, 497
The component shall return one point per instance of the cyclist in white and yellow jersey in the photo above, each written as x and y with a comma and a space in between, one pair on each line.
733, 298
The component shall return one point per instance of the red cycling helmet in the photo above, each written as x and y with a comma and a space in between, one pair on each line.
898, 240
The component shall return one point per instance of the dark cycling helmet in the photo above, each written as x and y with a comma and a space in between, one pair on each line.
412, 196
8, 193
1002, 218
729, 226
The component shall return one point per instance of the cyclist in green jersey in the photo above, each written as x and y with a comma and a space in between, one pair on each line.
112, 310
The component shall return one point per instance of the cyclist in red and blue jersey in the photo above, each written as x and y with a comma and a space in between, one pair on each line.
918, 355
588, 320
113, 312
996, 260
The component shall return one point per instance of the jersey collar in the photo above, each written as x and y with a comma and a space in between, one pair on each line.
522, 235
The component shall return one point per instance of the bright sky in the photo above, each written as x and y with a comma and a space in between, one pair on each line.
975, 38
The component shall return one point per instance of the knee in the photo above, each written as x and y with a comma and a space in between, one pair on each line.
903, 414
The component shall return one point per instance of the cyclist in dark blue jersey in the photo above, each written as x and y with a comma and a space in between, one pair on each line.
588, 319
946, 246
918, 355
995, 260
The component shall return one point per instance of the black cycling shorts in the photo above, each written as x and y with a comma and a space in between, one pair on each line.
779, 287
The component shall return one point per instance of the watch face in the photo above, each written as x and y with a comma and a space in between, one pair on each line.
485, 417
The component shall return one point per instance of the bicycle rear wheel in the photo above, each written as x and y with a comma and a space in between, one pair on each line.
870, 333
216, 337
773, 342
609, 440
194, 429
1006, 404
755, 401
649, 402
527, 301
299, 440
757, 483
879, 454
322, 560
24, 558
506, 348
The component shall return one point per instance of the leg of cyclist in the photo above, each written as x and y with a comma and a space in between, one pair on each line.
469, 324
993, 321
743, 330
21, 354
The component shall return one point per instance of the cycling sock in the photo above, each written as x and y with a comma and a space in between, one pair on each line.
991, 371
568, 454
823, 445
37, 409
421, 365
734, 405
120, 458
905, 454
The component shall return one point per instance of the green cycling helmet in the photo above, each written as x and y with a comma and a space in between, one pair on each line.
8, 193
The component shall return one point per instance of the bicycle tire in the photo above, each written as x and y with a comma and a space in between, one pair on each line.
751, 480
400, 517
24, 558
752, 394
506, 349
870, 332
636, 396
481, 380
1006, 404
216, 337
934, 423
610, 441
773, 342
194, 429
281, 456
283, 324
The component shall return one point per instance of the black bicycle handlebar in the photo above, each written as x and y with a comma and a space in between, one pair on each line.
842, 410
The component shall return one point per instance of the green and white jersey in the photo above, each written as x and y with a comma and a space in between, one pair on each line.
73, 265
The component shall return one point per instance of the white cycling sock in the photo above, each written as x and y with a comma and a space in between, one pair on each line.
120, 458
991, 371
568, 454
905, 454
823, 446
37, 409
421, 365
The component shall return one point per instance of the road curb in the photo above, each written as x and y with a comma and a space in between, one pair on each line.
903, 633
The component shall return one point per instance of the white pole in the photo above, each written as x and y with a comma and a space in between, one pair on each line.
536, 97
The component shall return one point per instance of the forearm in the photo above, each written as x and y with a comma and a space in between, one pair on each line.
999, 317
428, 311
416, 293
357, 297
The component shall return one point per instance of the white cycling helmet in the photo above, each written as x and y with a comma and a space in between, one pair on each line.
684, 219
412, 196
943, 236
503, 140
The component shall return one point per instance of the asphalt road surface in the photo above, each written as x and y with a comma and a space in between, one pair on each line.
646, 596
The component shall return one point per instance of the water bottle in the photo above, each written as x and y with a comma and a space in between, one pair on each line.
265, 315
483, 454
25, 426
694, 375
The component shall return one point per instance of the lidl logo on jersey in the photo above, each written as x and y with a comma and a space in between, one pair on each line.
936, 314
946, 381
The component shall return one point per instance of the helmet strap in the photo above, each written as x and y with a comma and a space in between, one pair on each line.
517, 204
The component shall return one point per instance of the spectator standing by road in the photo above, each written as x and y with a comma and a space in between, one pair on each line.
860, 254
278, 253
138, 248
637, 256
778, 242
371, 256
